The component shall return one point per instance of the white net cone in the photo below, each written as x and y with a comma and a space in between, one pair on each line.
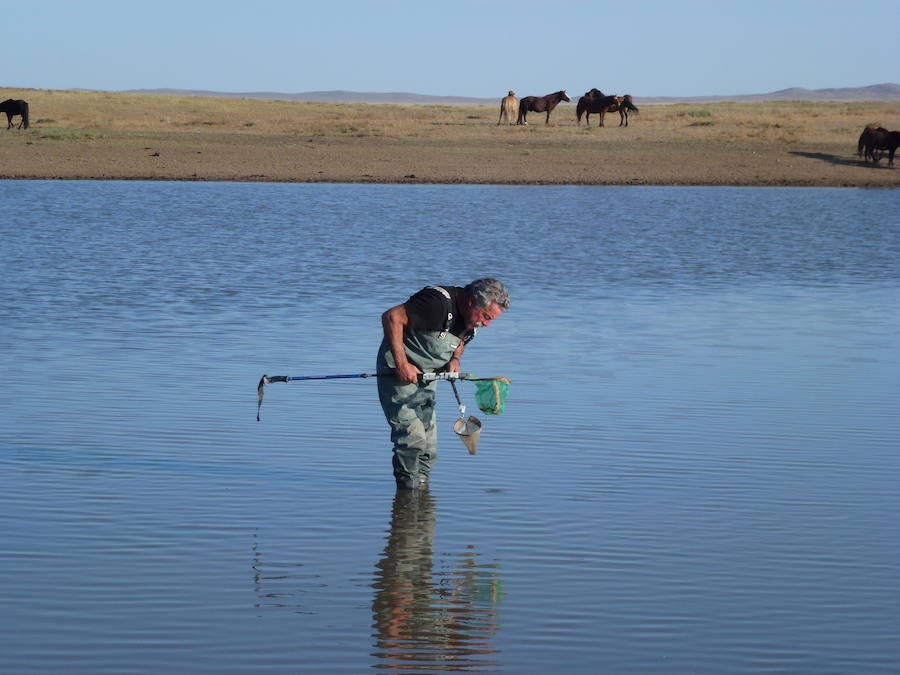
468, 431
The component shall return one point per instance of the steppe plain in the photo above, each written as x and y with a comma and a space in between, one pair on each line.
110, 136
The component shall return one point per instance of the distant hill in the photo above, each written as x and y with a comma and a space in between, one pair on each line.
396, 97
876, 92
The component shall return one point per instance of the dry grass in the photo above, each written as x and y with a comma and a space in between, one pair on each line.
106, 135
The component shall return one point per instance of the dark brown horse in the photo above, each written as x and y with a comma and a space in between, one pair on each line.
873, 141
540, 104
13, 107
595, 101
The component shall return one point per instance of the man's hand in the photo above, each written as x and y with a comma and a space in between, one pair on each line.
407, 372
453, 365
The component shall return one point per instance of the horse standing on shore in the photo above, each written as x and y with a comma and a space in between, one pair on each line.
540, 104
595, 101
13, 107
873, 141
509, 108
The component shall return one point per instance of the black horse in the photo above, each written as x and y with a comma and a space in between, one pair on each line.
595, 101
873, 141
540, 104
13, 107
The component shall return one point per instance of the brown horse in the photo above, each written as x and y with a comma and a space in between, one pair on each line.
595, 101
873, 141
13, 107
509, 108
540, 104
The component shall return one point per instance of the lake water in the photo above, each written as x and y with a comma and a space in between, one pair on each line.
697, 469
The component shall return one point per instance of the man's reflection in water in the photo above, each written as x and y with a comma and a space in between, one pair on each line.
427, 620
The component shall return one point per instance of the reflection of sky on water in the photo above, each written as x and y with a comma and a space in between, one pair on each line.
694, 468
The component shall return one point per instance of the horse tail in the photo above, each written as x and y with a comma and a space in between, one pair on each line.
579, 109
509, 107
25, 114
513, 108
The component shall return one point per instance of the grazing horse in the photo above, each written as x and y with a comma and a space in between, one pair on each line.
870, 144
864, 139
509, 108
540, 104
14, 107
873, 141
594, 101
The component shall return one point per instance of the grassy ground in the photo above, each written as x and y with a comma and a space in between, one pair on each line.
93, 135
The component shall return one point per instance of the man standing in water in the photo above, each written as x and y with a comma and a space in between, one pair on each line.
427, 333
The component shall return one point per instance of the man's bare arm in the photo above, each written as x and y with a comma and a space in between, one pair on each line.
394, 321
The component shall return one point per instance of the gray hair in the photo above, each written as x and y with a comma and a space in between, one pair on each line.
487, 291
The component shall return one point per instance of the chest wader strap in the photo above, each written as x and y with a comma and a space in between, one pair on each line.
449, 320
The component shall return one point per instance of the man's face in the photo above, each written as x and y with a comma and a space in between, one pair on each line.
476, 317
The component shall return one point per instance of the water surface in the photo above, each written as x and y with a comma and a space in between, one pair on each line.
696, 471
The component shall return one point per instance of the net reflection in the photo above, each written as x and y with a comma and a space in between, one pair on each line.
281, 584
430, 620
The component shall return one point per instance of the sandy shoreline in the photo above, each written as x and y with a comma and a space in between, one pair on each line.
284, 160
154, 138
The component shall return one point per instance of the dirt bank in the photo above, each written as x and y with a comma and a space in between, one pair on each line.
84, 135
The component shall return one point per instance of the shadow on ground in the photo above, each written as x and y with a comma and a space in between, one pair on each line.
837, 160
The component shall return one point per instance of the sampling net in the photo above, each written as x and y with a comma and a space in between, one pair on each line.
469, 431
491, 395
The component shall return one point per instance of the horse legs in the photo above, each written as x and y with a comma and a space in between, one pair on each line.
872, 153
9, 123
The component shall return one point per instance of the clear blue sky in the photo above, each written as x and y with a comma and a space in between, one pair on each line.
455, 48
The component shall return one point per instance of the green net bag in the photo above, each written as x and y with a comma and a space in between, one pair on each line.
491, 395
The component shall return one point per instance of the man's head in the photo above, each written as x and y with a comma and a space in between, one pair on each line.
485, 300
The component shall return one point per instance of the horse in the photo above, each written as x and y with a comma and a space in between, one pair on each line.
873, 141
862, 149
624, 104
14, 107
509, 108
595, 101
540, 104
